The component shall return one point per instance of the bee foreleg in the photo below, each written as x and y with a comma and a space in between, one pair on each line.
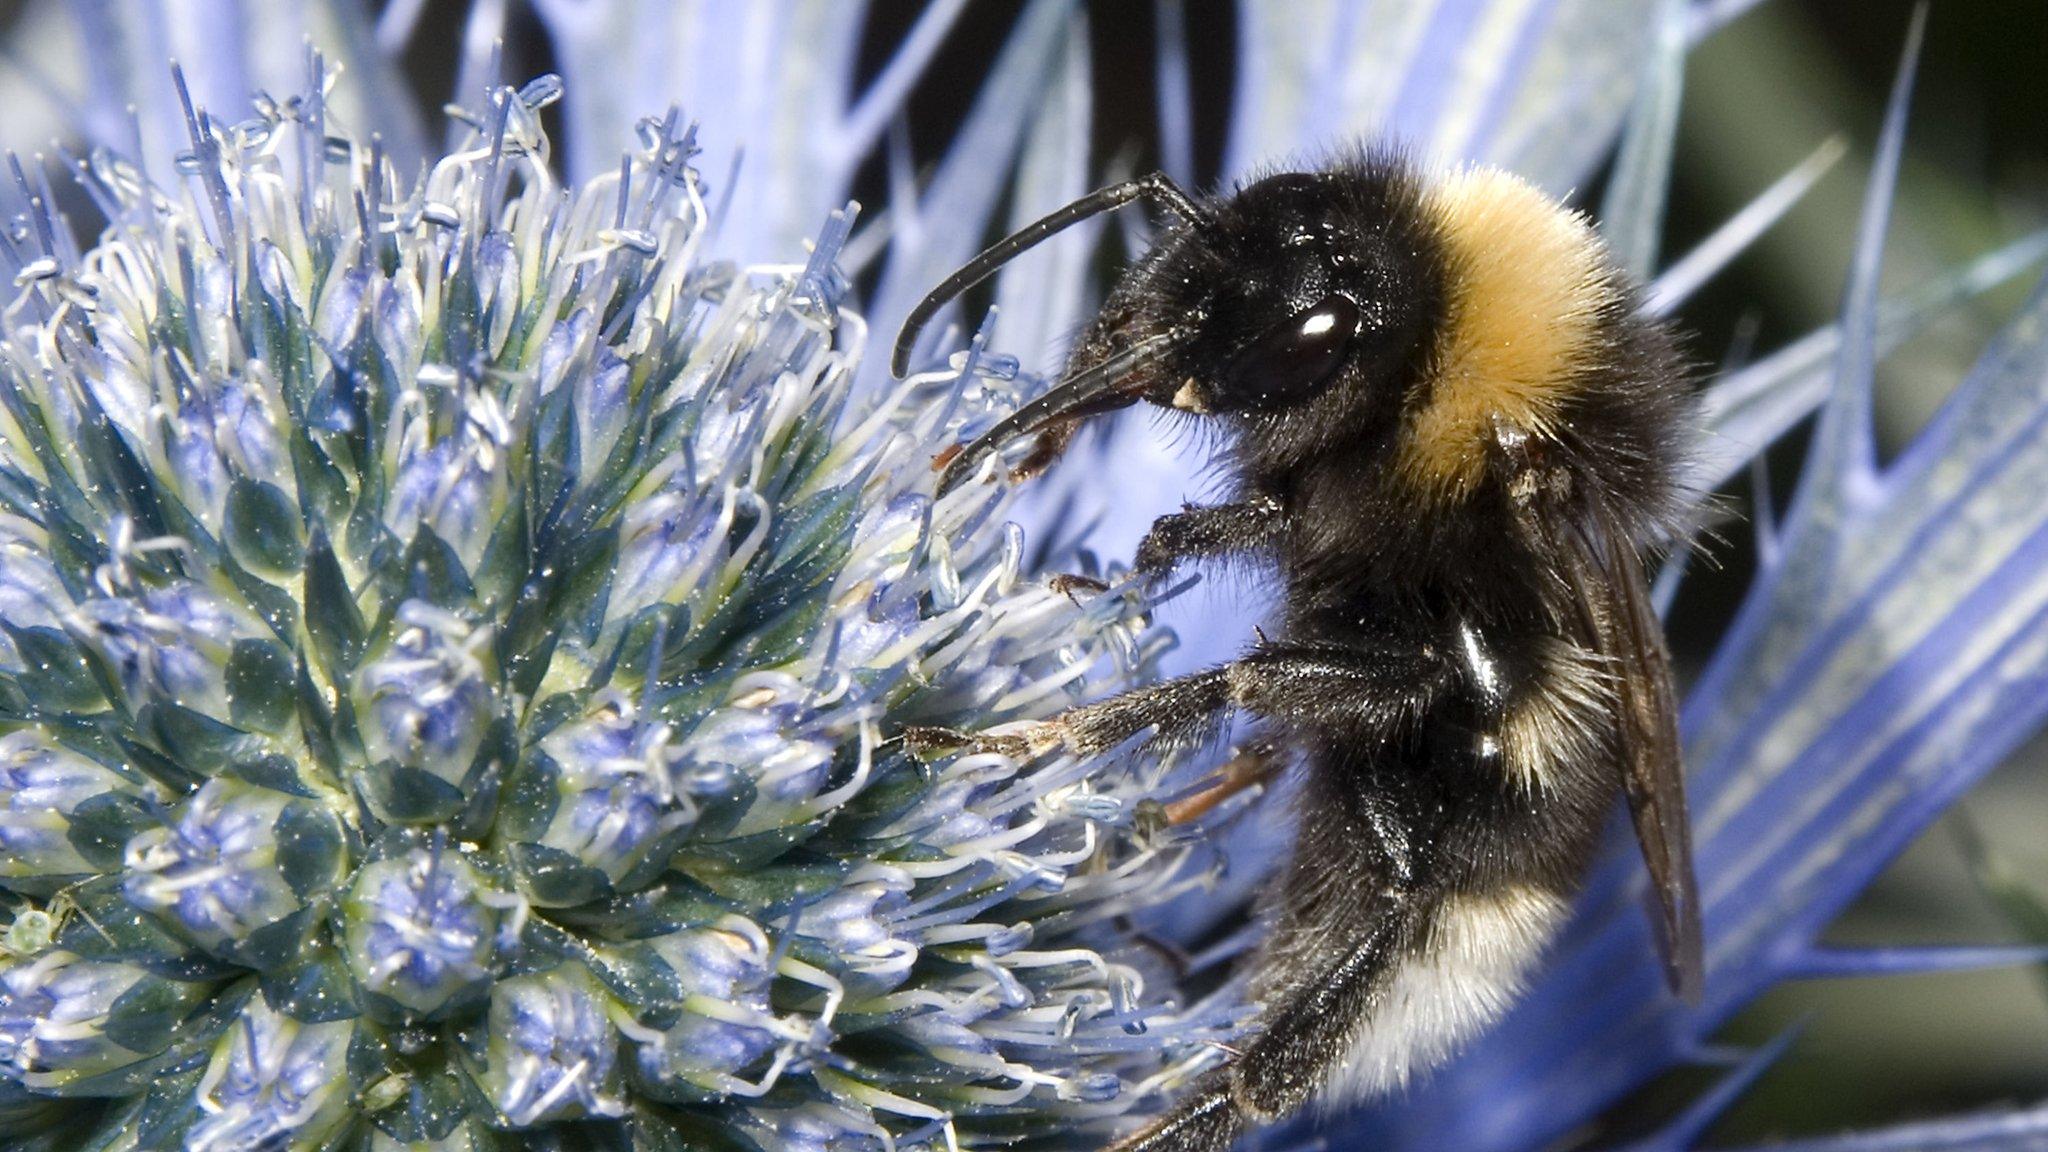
1216, 530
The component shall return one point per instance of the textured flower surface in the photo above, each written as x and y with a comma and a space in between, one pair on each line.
454, 637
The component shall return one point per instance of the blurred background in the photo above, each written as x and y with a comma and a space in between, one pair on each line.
1976, 174
1759, 96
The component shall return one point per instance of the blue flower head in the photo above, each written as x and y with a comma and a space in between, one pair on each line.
553, 1051
422, 929
214, 869
457, 635
270, 1083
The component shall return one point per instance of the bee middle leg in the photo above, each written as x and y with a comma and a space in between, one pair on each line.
1333, 944
1299, 684
1360, 688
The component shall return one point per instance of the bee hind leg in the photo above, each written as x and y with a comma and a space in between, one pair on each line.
1207, 1120
1289, 1063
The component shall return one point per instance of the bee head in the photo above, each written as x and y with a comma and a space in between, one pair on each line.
1308, 293
1301, 307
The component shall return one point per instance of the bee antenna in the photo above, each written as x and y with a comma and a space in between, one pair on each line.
1156, 188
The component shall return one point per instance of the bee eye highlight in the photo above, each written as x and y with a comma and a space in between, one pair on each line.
1292, 357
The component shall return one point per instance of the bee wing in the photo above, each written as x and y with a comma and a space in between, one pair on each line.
1608, 582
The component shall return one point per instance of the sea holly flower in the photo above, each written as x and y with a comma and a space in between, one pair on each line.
270, 1082
567, 570
66, 1020
237, 868
724, 972
43, 785
619, 799
31, 595
167, 646
422, 927
426, 704
461, 639
553, 1051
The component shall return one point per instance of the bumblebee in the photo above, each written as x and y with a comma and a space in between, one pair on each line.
1452, 432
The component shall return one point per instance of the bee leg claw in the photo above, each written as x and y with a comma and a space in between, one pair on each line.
926, 739
922, 738
1067, 584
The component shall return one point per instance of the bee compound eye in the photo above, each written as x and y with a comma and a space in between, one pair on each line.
1291, 358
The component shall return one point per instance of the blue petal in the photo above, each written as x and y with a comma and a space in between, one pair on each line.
115, 72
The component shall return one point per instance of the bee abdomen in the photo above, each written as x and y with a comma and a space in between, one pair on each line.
1464, 967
